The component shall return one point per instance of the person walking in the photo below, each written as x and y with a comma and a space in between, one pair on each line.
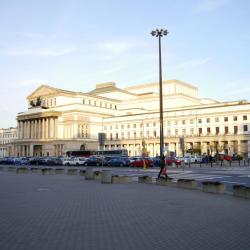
163, 170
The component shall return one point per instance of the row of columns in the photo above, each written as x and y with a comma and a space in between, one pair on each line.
43, 128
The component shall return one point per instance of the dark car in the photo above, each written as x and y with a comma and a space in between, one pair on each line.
93, 161
118, 162
35, 161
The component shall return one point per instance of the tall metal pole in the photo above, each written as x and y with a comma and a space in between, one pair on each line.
161, 105
159, 33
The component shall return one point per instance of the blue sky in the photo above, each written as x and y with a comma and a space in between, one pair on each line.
74, 44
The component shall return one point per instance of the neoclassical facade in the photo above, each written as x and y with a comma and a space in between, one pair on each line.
7, 136
57, 121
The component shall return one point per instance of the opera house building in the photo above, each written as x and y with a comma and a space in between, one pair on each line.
57, 121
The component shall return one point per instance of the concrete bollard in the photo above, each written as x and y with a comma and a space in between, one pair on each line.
89, 174
106, 176
145, 179
241, 191
187, 183
97, 175
213, 187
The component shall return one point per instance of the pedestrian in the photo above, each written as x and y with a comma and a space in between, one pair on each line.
162, 168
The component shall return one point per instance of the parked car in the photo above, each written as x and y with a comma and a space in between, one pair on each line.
35, 161
79, 161
21, 161
118, 162
140, 162
93, 161
189, 159
69, 161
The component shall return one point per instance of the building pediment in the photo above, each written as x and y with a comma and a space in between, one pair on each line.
43, 90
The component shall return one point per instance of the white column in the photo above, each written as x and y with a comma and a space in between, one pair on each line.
52, 124
43, 128
35, 130
56, 128
46, 128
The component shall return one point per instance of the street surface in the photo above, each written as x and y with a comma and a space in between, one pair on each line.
63, 212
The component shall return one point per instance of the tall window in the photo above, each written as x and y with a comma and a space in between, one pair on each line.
235, 118
208, 131
225, 119
200, 131
199, 120
208, 120
235, 129
244, 117
216, 119
226, 130
217, 130
245, 128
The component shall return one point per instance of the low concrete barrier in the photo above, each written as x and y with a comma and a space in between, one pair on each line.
106, 176
97, 175
22, 170
116, 179
72, 171
185, 183
165, 182
89, 174
145, 179
82, 172
59, 170
213, 187
241, 191
48, 171
35, 170
12, 169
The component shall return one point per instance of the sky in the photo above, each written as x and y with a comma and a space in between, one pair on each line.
74, 44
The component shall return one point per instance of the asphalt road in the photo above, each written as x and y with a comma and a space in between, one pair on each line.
237, 175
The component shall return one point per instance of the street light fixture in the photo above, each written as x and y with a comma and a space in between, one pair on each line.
160, 33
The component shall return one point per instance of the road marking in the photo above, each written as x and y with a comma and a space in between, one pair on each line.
235, 182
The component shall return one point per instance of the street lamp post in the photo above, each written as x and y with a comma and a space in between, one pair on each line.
160, 33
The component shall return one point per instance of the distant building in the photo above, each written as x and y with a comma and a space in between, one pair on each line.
59, 120
7, 136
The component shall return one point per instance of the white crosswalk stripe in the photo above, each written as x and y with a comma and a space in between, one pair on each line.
197, 176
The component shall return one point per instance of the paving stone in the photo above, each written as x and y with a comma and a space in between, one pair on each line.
50, 212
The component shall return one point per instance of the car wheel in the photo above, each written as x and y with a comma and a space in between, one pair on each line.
97, 164
121, 165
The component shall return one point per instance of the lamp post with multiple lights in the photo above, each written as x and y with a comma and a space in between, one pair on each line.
160, 33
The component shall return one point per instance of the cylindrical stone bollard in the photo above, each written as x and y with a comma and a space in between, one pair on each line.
106, 176
89, 174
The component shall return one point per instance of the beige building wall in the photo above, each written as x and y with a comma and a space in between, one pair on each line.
66, 120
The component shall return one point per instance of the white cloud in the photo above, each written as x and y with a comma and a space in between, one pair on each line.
209, 5
42, 52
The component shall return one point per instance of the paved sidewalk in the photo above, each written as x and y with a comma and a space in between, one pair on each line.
60, 212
